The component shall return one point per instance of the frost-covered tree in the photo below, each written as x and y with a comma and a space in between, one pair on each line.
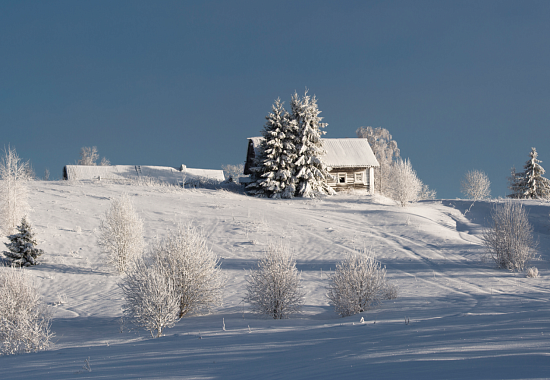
529, 184
150, 297
180, 277
275, 171
405, 186
310, 170
14, 175
386, 151
232, 172
89, 156
194, 269
22, 246
274, 288
476, 185
358, 284
509, 241
121, 233
24, 319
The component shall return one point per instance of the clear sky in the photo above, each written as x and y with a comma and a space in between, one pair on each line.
460, 84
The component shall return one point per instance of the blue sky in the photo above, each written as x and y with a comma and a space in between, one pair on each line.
461, 85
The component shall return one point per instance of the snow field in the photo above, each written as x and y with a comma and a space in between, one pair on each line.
467, 319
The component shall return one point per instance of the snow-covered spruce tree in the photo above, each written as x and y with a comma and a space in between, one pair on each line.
386, 151
121, 233
22, 246
358, 284
150, 297
530, 184
278, 154
509, 241
310, 170
24, 319
405, 186
476, 185
14, 175
274, 288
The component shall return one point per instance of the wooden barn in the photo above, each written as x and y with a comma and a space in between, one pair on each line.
351, 162
162, 173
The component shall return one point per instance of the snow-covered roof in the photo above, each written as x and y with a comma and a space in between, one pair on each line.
349, 152
163, 173
352, 152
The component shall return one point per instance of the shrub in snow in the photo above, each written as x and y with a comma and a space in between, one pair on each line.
14, 175
358, 284
405, 186
509, 242
151, 299
121, 233
180, 277
529, 184
476, 185
22, 246
274, 288
532, 272
386, 151
24, 319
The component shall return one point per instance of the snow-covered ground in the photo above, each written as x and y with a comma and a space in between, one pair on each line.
467, 319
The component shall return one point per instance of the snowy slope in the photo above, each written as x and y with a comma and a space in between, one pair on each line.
467, 319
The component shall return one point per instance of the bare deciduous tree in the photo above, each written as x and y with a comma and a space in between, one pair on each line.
476, 185
405, 186
358, 284
24, 319
121, 233
274, 288
233, 172
14, 175
509, 242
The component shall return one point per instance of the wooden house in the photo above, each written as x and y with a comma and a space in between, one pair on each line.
351, 162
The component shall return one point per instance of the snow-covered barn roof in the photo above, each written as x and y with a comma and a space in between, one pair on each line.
353, 152
162, 173
349, 152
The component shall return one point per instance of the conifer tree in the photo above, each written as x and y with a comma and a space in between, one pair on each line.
274, 169
22, 251
530, 184
310, 170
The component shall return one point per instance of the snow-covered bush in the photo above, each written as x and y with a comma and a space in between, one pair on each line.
509, 241
121, 233
274, 288
24, 319
14, 175
529, 184
193, 267
151, 299
22, 246
405, 186
181, 276
476, 185
532, 272
358, 284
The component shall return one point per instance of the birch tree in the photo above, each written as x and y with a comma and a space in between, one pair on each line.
14, 175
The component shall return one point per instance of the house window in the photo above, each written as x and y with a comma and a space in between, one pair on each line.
359, 177
341, 177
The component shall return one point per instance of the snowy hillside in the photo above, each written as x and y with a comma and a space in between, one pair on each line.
467, 319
